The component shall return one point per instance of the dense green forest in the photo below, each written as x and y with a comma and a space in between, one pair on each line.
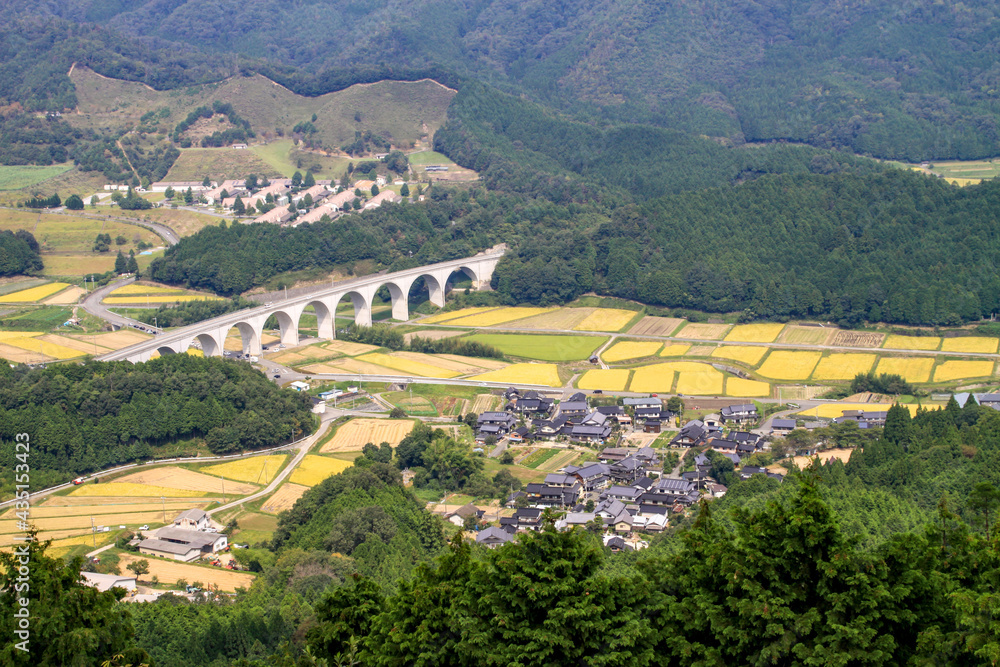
86, 417
19, 253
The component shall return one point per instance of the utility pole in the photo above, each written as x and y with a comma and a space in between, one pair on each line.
164, 507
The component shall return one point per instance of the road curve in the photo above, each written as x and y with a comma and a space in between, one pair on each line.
92, 304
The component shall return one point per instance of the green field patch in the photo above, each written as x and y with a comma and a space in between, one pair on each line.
540, 457
541, 347
18, 177
36, 319
416, 405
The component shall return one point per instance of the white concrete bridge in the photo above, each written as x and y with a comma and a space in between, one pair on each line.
211, 334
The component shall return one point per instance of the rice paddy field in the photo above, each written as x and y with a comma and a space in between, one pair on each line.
284, 498
543, 374
675, 350
789, 365
897, 342
355, 434
833, 410
700, 331
970, 344
182, 479
34, 294
955, 369
561, 319
755, 333
691, 377
314, 469
170, 572
159, 298
911, 369
133, 490
749, 355
253, 469
801, 335
606, 319
454, 315
615, 379
410, 366
843, 366
146, 289
749, 388
630, 350
542, 347
656, 326
493, 317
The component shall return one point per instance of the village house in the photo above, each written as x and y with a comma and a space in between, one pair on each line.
105, 582
744, 413
493, 537
183, 544
383, 197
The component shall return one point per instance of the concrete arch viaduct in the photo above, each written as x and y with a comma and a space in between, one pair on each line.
211, 334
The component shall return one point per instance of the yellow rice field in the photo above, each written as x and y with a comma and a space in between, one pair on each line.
455, 314
546, 374
701, 331
630, 350
254, 469
676, 350
692, 378
789, 365
314, 469
897, 342
284, 498
136, 288
83, 522
564, 318
955, 369
355, 434
96, 509
750, 388
706, 382
765, 332
47, 348
750, 356
970, 344
123, 489
170, 572
7, 335
187, 480
654, 378
408, 365
843, 366
112, 300
806, 335
86, 347
911, 369
33, 294
833, 410
606, 319
615, 379
498, 316
701, 350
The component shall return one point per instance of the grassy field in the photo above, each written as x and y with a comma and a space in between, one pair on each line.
755, 333
17, 177
546, 374
911, 369
606, 319
750, 356
314, 469
615, 379
539, 458
285, 158
630, 350
422, 158
541, 347
843, 366
955, 369
67, 233
218, 164
789, 365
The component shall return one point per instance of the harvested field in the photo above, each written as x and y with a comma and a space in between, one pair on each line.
314, 469
606, 319
895, 342
283, 498
954, 369
66, 297
455, 314
7, 539
289, 358
431, 334
74, 344
42, 345
789, 365
355, 434
843, 366
799, 335
115, 340
481, 362
615, 379
33, 294
676, 350
802, 462
630, 350
123, 506
766, 332
83, 521
352, 366
656, 326
169, 572
911, 369
348, 348
546, 374
458, 364
700, 351
21, 356
749, 388
700, 331
409, 366
970, 344
857, 339
485, 403
93, 500
498, 316
750, 356
179, 298
253, 469
561, 319
173, 477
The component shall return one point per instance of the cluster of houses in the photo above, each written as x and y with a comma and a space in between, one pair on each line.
190, 537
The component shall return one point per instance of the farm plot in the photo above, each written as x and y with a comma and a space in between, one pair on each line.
351, 367
314, 469
800, 335
84, 522
348, 348
676, 350
970, 344
410, 366
606, 319
431, 334
561, 458
630, 350
33, 294
766, 332
546, 374
703, 382
284, 498
454, 363
843, 366
857, 339
355, 434
160, 299
454, 315
21, 356
656, 326
749, 355
897, 342
802, 462
115, 340
561, 319
42, 345
615, 379
749, 388
417, 405
789, 365
955, 369
700, 331
542, 347
655, 378
701, 351
834, 410
498, 316
68, 296
170, 572
253, 469
911, 369
81, 346
173, 477
481, 362
485, 403
95, 508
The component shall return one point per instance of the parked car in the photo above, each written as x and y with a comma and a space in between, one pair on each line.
78, 480
277, 375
